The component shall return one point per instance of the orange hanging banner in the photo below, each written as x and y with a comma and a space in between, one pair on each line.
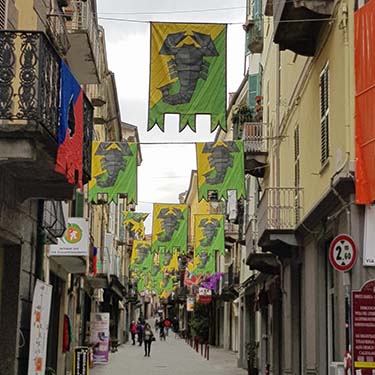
364, 45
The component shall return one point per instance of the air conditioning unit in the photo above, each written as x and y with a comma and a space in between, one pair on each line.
336, 368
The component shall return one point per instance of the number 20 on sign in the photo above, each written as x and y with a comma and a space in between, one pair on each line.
342, 253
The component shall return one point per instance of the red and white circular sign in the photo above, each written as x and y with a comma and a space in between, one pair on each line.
342, 253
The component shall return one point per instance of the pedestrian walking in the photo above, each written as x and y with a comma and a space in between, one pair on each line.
161, 330
140, 329
148, 339
176, 327
156, 324
133, 331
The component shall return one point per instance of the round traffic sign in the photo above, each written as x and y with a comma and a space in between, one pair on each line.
342, 253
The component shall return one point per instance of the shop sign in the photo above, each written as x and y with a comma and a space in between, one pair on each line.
39, 328
204, 295
75, 241
363, 324
99, 337
190, 302
81, 361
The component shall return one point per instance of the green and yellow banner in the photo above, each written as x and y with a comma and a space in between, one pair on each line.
135, 223
209, 239
188, 73
113, 171
220, 168
169, 228
141, 263
162, 279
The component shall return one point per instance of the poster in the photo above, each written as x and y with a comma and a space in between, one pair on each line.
75, 241
99, 337
40, 312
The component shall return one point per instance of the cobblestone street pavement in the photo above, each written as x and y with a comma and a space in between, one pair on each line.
172, 357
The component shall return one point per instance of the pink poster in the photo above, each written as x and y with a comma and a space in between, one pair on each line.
99, 337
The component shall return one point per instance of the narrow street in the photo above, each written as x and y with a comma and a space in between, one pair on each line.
170, 357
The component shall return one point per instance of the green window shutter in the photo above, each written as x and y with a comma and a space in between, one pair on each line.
79, 204
253, 90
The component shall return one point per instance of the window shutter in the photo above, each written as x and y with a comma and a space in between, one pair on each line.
324, 114
297, 180
3, 14
79, 204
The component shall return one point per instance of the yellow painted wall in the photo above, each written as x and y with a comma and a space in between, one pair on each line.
303, 108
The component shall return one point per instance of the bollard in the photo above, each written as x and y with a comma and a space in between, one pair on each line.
208, 352
201, 348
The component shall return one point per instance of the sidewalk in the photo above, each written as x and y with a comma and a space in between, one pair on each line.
172, 357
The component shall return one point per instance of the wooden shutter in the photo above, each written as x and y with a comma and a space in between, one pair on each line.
3, 14
79, 204
324, 114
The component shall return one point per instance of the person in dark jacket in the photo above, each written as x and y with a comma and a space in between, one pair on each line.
148, 339
140, 329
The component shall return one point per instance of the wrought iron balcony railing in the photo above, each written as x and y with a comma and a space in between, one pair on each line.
280, 209
58, 33
29, 80
30, 87
255, 136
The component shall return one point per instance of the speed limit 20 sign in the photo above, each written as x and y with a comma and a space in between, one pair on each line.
342, 253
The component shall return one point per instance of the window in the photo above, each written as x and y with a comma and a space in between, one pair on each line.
3, 14
324, 115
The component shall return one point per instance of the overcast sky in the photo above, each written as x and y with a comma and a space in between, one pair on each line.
166, 168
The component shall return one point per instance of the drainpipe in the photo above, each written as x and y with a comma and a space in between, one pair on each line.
277, 119
40, 241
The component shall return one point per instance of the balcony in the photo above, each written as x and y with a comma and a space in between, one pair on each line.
101, 115
255, 258
58, 33
279, 212
255, 136
231, 232
297, 24
29, 115
231, 281
96, 94
254, 36
83, 55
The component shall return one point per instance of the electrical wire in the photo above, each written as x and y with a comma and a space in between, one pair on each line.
228, 23
176, 11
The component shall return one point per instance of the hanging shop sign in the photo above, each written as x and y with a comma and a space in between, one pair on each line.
363, 328
75, 241
204, 295
369, 237
190, 302
99, 337
342, 253
39, 328
81, 361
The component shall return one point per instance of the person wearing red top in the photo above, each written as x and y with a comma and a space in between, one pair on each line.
133, 331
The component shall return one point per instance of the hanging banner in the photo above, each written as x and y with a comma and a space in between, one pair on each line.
209, 239
135, 223
169, 228
69, 159
99, 337
141, 264
40, 314
188, 73
113, 171
75, 241
364, 57
220, 169
162, 282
